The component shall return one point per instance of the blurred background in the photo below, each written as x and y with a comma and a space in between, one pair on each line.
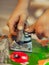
36, 9
7, 6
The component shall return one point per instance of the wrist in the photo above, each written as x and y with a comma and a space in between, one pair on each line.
23, 3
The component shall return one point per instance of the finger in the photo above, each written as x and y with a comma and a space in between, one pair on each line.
22, 22
12, 27
30, 29
44, 42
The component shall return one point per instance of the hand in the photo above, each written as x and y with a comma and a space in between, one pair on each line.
19, 16
41, 27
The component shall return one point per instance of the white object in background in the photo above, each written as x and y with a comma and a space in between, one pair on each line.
31, 20
38, 12
40, 0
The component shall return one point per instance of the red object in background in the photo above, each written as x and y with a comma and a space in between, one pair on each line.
19, 57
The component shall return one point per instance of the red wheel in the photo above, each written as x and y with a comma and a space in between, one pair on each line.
19, 57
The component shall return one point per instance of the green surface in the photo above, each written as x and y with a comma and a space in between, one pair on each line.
39, 53
47, 63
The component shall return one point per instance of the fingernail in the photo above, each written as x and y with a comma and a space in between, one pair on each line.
20, 27
27, 29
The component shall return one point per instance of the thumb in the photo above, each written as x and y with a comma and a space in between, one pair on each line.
30, 29
22, 22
